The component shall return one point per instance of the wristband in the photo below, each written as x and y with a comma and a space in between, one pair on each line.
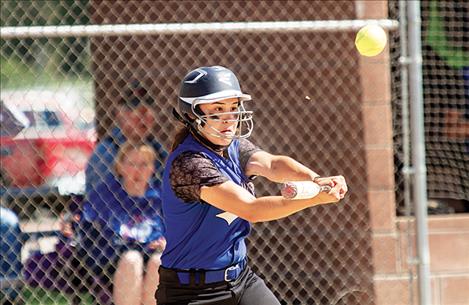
315, 178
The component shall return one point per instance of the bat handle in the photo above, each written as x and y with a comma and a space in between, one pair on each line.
302, 189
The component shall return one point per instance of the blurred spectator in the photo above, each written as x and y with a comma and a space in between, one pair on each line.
12, 121
457, 120
134, 123
135, 120
446, 88
10, 252
455, 54
126, 227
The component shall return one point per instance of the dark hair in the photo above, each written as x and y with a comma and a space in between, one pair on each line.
136, 94
181, 134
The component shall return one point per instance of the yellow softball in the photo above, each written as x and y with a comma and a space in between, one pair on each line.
370, 40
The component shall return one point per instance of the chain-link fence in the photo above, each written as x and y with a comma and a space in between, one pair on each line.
445, 84
310, 258
446, 75
72, 90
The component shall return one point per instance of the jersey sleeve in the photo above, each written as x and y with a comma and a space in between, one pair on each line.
246, 150
189, 172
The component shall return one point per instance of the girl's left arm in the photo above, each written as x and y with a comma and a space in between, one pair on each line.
278, 168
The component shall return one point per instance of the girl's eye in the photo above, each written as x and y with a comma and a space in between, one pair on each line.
233, 109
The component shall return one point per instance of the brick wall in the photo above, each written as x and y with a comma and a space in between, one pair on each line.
449, 249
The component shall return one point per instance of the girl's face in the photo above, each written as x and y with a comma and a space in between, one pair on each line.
136, 168
225, 124
136, 123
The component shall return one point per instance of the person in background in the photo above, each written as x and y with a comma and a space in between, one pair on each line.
126, 235
10, 254
12, 122
446, 88
135, 121
452, 50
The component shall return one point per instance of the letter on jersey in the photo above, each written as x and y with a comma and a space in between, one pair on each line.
229, 217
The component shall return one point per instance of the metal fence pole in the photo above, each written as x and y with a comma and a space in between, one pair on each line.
418, 150
406, 170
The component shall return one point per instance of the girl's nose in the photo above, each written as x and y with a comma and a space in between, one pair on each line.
229, 117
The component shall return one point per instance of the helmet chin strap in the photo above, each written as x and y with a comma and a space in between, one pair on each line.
216, 148
192, 126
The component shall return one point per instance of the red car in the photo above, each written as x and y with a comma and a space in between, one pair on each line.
50, 155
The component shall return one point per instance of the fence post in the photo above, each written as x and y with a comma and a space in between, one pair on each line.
418, 150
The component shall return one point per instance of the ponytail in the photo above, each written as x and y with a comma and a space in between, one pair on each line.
181, 134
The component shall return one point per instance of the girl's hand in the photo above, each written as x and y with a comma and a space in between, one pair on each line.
65, 224
158, 245
338, 184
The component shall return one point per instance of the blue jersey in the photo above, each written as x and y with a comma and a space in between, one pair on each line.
123, 221
199, 235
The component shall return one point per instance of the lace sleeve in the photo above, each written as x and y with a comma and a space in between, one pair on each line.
189, 172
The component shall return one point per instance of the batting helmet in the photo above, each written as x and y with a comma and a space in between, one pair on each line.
206, 85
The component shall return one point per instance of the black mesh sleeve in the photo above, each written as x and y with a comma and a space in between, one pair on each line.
189, 172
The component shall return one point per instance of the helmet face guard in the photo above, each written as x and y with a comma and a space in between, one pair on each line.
206, 85
242, 117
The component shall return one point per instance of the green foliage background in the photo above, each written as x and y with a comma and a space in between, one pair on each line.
44, 61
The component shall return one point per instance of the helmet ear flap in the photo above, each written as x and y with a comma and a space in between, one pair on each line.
198, 111
190, 118
181, 117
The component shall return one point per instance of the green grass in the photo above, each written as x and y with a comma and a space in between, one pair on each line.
39, 296
15, 74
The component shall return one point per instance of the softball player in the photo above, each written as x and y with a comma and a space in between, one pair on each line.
208, 198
